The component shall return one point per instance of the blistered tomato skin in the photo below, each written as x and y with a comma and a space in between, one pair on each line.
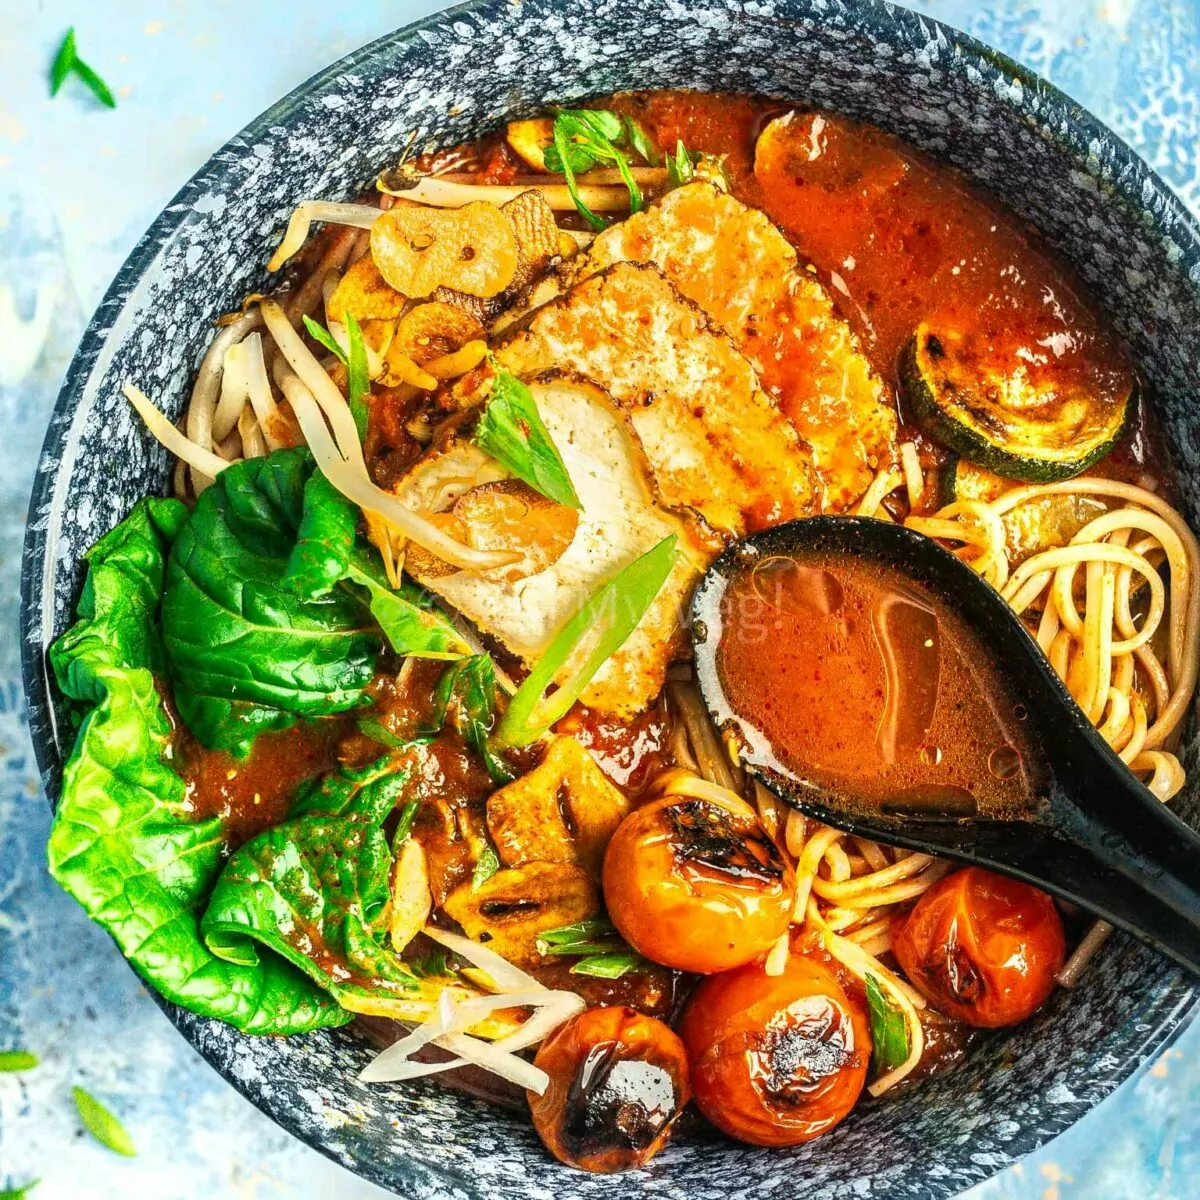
982, 948
618, 1081
695, 886
776, 1060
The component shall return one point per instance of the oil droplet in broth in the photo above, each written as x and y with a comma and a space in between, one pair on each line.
1004, 762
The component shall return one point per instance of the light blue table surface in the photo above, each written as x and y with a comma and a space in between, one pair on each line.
78, 185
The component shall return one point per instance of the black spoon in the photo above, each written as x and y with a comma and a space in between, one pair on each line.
1095, 836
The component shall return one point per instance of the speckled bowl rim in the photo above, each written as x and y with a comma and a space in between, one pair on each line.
1134, 185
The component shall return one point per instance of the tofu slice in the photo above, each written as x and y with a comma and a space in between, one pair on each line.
620, 520
740, 269
715, 442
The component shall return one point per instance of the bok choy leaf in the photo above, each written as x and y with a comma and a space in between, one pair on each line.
125, 842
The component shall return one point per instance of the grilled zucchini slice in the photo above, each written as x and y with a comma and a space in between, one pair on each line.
1007, 422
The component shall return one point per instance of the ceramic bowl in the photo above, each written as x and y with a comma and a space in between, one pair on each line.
455, 76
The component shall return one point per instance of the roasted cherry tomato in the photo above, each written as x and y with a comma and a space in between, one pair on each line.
618, 1081
776, 1059
981, 948
696, 886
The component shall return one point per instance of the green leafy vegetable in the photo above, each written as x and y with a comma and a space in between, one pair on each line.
263, 618
511, 431
17, 1060
246, 652
610, 965
102, 1124
640, 143
315, 889
466, 694
596, 943
609, 616
409, 624
324, 543
585, 138
19, 1193
377, 731
124, 842
67, 62
358, 382
486, 867
405, 824
889, 1033
681, 166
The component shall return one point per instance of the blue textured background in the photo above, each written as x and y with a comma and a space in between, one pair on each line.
78, 185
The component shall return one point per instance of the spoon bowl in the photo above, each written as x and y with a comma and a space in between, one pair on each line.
1093, 834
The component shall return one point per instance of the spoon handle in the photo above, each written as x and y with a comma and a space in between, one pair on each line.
1116, 851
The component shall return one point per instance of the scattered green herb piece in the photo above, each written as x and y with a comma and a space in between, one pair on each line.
889, 1033
610, 615
581, 931
68, 62
377, 731
511, 431
485, 868
585, 138
102, 1124
609, 966
466, 694
596, 943
19, 1193
681, 166
358, 382
404, 825
436, 963
639, 141
17, 1060
64, 60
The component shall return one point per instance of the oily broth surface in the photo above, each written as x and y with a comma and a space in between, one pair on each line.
865, 687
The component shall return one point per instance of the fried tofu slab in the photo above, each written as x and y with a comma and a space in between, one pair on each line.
717, 445
731, 261
620, 520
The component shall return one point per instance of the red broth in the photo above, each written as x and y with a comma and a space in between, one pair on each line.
851, 679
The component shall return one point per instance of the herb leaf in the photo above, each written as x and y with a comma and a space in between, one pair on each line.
563, 157
681, 166
64, 61
511, 430
596, 943
888, 1030
102, 1124
358, 383
358, 380
466, 694
95, 84
17, 1060
610, 615
485, 868
609, 966
67, 62
19, 1193
586, 137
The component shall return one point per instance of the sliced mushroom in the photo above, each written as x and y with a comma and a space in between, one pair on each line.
411, 899
565, 810
510, 909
